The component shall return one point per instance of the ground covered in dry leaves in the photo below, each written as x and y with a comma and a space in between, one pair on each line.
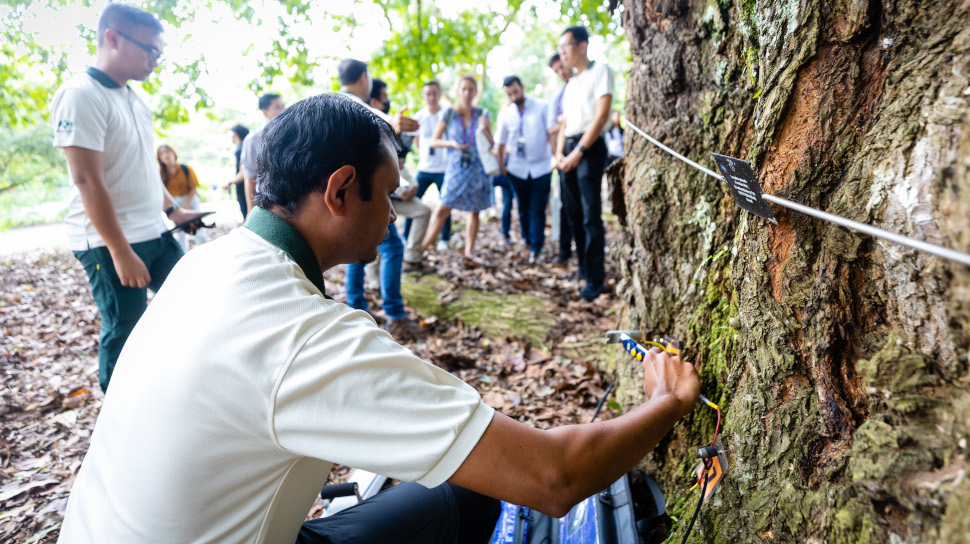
516, 332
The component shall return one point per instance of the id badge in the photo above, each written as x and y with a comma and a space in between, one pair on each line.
431, 151
466, 158
520, 148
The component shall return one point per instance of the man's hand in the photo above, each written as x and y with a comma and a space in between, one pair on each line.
502, 170
664, 374
409, 193
181, 215
570, 162
402, 123
131, 270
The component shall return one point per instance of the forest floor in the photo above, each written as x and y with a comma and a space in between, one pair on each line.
516, 332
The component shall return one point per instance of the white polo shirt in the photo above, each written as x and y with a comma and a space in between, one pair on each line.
581, 94
252, 146
430, 160
530, 126
229, 434
93, 112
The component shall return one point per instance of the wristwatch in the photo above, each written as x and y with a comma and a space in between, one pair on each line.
170, 209
581, 149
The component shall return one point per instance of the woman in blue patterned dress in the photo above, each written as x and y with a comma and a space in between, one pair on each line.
466, 186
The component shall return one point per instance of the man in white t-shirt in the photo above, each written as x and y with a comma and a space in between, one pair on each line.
271, 105
581, 153
431, 161
560, 220
232, 440
525, 157
114, 222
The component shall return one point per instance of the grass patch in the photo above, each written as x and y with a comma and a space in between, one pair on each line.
497, 315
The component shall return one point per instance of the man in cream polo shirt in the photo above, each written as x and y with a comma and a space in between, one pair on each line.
114, 223
581, 153
231, 440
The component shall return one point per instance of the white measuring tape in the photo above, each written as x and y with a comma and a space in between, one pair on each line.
939, 251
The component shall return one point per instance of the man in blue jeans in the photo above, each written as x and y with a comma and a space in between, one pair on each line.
525, 156
357, 85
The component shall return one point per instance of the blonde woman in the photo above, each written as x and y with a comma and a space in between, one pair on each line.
466, 186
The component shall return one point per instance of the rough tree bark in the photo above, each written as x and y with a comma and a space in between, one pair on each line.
841, 360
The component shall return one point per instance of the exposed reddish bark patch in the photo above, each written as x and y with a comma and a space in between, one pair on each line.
782, 240
800, 132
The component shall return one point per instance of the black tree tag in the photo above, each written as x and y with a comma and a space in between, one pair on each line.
744, 186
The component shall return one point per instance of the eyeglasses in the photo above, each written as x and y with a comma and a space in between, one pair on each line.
562, 47
153, 53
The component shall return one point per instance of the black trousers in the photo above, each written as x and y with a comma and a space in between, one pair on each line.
583, 203
409, 513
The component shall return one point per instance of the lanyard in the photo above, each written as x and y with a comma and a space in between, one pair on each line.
521, 119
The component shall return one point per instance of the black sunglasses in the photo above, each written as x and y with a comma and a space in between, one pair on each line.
153, 53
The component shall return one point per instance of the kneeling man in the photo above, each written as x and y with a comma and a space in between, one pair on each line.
230, 437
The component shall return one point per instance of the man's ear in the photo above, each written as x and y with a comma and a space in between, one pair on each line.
111, 38
339, 187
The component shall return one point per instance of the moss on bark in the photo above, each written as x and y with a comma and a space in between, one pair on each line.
841, 360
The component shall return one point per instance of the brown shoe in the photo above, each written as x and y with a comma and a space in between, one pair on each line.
420, 268
402, 329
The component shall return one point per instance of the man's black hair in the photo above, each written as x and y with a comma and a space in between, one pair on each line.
126, 19
580, 34
310, 140
350, 70
507, 82
267, 99
375, 88
240, 131
554, 59
432, 83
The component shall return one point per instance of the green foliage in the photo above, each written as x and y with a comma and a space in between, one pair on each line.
426, 45
33, 178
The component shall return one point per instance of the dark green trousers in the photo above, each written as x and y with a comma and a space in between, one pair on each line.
121, 307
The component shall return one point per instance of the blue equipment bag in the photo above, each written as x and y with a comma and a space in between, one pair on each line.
604, 518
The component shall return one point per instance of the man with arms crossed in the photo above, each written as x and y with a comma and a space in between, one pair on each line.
114, 224
232, 440
581, 153
524, 139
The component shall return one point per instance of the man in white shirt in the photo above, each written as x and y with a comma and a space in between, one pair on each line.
581, 153
114, 223
560, 220
524, 139
271, 105
614, 138
232, 440
431, 162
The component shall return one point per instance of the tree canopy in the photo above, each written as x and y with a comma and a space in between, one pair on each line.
424, 40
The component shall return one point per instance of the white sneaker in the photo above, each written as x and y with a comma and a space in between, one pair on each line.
442, 245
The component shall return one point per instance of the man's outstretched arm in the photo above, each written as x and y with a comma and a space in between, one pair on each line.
553, 470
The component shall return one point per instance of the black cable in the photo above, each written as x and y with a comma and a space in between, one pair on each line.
700, 503
600, 404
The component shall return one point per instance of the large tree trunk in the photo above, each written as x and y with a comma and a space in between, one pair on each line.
841, 360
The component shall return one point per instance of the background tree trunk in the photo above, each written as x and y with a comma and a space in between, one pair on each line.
841, 360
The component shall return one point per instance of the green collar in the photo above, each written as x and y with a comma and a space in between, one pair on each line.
102, 78
275, 230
